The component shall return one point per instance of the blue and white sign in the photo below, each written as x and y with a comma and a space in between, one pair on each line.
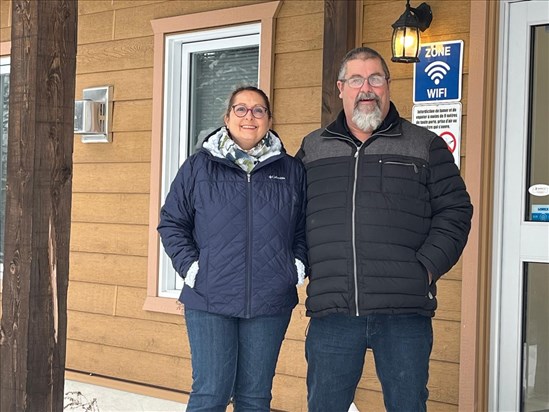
437, 76
540, 213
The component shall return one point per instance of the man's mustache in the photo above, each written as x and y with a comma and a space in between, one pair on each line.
366, 96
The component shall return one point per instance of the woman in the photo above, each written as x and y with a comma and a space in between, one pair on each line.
234, 226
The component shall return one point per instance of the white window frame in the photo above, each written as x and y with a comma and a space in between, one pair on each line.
5, 65
179, 48
263, 14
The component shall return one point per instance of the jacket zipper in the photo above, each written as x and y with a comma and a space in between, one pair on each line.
248, 285
401, 164
381, 162
353, 223
249, 250
353, 217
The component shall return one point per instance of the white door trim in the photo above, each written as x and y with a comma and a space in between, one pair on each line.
516, 18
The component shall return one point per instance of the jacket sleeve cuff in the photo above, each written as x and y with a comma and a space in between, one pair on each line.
190, 277
300, 272
427, 264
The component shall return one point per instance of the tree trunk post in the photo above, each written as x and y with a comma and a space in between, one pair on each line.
38, 205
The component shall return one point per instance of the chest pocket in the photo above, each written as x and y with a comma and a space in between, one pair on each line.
404, 177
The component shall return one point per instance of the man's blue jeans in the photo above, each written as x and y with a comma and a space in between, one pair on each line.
335, 349
233, 357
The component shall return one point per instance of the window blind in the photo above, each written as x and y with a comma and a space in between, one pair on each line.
214, 75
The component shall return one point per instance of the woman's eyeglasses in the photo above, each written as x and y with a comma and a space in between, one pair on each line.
240, 110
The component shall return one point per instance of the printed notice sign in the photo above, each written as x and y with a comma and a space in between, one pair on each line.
443, 119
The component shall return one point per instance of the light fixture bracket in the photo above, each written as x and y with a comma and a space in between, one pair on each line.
420, 17
424, 15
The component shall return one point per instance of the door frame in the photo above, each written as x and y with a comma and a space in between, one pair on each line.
506, 303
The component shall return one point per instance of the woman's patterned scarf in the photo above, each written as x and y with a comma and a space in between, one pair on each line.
221, 145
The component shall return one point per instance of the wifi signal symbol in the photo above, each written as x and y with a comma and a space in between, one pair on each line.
436, 71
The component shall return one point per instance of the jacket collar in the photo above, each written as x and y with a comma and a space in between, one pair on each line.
208, 140
390, 126
212, 136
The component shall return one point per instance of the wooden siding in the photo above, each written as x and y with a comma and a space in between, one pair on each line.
298, 70
5, 20
108, 276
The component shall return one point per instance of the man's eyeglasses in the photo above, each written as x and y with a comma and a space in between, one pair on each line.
356, 82
240, 110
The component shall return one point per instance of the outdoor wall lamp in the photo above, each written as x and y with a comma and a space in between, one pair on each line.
406, 29
93, 115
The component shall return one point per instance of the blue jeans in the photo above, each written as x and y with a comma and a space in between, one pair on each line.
233, 357
335, 349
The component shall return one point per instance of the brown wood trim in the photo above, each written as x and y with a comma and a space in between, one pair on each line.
5, 48
479, 161
265, 13
164, 305
156, 165
340, 36
359, 16
127, 386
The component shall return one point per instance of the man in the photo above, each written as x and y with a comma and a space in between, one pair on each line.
387, 215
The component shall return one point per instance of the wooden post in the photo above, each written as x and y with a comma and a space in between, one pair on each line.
340, 28
38, 204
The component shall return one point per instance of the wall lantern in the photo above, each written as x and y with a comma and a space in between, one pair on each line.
406, 32
93, 115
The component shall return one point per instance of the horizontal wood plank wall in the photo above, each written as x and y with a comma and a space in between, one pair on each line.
297, 98
450, 22
298, 70
5, 20
109, 333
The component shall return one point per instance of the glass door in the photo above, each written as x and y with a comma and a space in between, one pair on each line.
520, 296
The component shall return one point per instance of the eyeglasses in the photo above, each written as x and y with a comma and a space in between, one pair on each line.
240, 110
375, 80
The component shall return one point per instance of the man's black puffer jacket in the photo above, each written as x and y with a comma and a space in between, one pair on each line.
379, 216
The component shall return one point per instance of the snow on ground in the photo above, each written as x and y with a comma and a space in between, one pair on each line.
95, 398
92, 398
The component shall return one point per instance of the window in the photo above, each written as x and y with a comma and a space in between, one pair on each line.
215, 68
198, 60
202, 69
4, 105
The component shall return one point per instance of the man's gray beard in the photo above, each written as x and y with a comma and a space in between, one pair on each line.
367, 122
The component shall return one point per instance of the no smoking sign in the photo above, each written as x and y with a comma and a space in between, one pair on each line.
450, 140
445, 120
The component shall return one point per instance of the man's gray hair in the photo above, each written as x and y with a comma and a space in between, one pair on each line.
362, 53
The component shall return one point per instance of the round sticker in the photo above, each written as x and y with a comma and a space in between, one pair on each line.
539, 190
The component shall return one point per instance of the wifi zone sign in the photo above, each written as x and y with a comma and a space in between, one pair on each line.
437, 75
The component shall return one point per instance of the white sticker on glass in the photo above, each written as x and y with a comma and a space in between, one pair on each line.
539, 190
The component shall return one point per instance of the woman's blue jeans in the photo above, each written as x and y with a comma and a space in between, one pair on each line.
336, 346
233, 357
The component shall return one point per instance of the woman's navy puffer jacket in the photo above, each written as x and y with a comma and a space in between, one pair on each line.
245, 231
